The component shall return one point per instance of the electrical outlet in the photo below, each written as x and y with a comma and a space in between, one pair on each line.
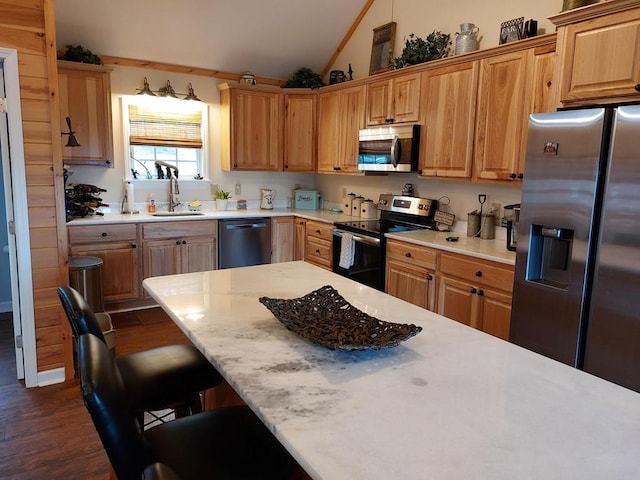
237, 188
214, 188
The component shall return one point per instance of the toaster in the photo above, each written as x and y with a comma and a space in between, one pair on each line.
306, 200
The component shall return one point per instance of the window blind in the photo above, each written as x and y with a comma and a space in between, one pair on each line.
163, 127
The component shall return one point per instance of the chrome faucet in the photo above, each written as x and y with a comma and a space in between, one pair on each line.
174, 189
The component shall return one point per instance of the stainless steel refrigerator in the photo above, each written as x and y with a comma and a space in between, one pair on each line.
577, 283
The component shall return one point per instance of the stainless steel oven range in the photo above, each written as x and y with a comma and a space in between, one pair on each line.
359, 245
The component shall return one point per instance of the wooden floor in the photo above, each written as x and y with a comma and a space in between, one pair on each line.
46, 433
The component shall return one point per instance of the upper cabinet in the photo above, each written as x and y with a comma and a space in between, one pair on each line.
300, 132
85, 99
252, 120
448, 120
599, 53
268, 128
341, 115
395, 100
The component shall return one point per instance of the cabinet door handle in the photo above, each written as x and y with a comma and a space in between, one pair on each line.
184, 242
318, 251
480, 293
512, 175
177, 242
473, 290
133, 245
408, 254
336, 168
521, 176
318, 232
637, 87
478, 273
103, 234
429, 277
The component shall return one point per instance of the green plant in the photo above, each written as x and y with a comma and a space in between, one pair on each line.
222, 195
304, 78
417, 50
79, 54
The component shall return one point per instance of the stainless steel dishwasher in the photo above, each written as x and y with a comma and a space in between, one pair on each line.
244, 242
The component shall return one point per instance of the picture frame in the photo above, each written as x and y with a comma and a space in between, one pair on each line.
511, 30
382, 48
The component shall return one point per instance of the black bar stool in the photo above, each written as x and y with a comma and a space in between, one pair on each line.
228, 443
169, 377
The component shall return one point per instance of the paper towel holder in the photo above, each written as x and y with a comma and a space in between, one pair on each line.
127, 205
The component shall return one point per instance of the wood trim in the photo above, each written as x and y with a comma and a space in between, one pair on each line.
56, 158
171, 67
590, 12
347, 37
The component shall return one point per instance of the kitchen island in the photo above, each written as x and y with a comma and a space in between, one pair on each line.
450, 403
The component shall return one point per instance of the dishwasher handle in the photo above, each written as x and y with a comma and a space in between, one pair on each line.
245, 225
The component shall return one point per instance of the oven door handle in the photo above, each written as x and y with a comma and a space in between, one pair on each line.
358, 238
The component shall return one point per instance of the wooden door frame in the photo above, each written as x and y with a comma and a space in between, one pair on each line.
18, 213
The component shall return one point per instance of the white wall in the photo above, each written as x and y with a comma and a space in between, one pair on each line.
421, 17
124, 81
412, 16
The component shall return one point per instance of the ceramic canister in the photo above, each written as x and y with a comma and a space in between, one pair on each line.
368, 209
348, 203
357, 203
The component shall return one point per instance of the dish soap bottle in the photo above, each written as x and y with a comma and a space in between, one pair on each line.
151, 204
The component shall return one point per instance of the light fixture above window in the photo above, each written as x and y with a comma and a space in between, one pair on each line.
167, 91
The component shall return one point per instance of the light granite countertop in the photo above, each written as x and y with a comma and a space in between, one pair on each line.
450, 403
494, 250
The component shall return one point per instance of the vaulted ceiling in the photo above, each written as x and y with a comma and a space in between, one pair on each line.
270, 38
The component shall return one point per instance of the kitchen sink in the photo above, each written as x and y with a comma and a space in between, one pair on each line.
177, 214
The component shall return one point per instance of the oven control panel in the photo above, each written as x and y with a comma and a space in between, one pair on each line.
410, 205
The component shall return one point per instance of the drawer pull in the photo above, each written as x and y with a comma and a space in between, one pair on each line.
184, 242
103, 234
429, 277
133, 245
408, 254
318, 251
177, 242
637, 87
318, 232
478, 273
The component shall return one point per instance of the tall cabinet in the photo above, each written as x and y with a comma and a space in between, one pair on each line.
341, 114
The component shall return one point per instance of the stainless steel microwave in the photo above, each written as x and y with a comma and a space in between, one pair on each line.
389, 148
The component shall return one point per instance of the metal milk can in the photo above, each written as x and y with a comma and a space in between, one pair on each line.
467, 39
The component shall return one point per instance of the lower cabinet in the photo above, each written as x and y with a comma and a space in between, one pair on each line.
469, 290
411, 273
282, 239
300, 239
178, 247
319, 244
476, 292
117, 246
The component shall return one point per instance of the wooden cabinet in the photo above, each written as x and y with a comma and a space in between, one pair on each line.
340, 118
300, 132
510, 87
282, 239
448, 120
319, 244
252, 120
599, 53
117, 246
85, 97
299, 247
476, 292
411, 273
502, 105
395, 100
179, 247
